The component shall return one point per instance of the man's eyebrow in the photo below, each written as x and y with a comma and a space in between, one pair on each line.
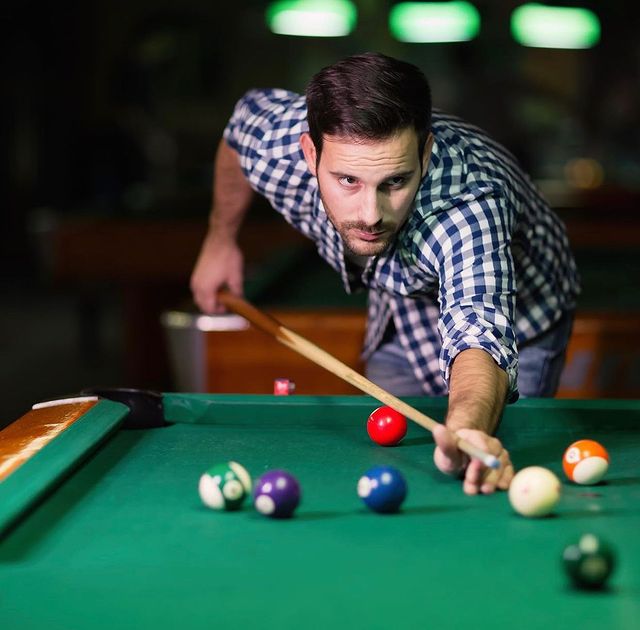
408, 173
341, 174
391, 175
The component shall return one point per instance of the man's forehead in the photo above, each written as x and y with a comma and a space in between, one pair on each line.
400, 147
407, 135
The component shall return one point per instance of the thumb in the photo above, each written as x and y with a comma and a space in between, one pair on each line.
447, 456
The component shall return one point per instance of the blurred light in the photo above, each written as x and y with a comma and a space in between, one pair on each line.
434, 22
312, 18
205, 323
584, 173
555, 27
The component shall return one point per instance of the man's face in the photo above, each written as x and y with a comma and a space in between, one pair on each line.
367, 188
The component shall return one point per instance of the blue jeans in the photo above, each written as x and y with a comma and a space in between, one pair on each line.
540, 364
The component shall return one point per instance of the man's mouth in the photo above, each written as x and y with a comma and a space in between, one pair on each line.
369, 236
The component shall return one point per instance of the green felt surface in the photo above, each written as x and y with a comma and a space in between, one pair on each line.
125, 542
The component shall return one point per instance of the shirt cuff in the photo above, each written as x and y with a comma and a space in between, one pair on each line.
497, 352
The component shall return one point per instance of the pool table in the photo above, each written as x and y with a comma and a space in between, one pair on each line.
103, 527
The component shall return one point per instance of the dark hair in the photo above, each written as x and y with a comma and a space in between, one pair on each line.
368, 97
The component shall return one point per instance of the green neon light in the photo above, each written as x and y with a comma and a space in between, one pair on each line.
312, 18
434, 22
542, 26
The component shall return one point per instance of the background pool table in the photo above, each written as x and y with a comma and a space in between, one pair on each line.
123, 540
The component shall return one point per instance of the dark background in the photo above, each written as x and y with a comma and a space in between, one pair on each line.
112, 111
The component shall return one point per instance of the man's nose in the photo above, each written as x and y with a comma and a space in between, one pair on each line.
372, 208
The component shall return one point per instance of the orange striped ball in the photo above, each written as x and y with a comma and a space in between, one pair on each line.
585, 462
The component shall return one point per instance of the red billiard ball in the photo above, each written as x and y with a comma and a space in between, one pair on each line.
386, 426
585, 462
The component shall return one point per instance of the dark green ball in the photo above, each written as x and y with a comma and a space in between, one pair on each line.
225, 486
589, 562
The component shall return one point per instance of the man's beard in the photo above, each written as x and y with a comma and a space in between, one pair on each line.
363, 248
356, 246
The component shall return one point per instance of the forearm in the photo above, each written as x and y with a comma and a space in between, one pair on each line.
232, 194
220, 262
477, 392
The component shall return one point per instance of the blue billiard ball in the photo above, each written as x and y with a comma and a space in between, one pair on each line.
383, 489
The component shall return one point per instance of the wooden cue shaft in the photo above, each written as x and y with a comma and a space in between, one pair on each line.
322, 358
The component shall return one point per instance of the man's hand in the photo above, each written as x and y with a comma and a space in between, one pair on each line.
219, 264
477, 477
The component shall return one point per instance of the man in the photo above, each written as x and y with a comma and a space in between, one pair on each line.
466, 267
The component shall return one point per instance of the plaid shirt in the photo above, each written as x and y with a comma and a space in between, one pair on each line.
481, 261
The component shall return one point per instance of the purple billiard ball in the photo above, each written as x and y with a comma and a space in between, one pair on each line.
276, 494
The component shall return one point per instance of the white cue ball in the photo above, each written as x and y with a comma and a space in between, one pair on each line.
534, 491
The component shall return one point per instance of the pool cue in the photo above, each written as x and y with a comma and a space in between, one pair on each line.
317, 355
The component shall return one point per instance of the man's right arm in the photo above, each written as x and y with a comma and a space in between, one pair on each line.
220, 262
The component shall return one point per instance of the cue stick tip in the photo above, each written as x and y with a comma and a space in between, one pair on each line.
491, 461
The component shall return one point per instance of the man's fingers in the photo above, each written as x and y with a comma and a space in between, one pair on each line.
220, 263
475, 472
235, 286
489, 481
507, 474
206, 301
477, 477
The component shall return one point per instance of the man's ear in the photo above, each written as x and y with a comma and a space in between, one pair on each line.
426, 153
309, 150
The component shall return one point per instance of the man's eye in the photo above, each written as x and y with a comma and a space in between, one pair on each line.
397, 181
348, 180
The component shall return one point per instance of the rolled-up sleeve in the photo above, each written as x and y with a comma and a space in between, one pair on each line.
477, 292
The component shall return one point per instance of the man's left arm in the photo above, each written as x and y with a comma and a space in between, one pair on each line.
477, 394
478, 357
